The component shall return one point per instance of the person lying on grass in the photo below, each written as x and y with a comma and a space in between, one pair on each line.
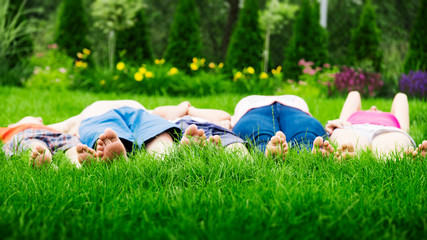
383, 132
115, 128
270, 122
214, 123
43, 142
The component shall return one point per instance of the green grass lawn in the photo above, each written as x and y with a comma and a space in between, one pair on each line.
209, 193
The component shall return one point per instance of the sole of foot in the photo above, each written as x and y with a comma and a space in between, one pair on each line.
322, 147
420, 151
109, 147
40, 155
277, 146
193, 136
85, 154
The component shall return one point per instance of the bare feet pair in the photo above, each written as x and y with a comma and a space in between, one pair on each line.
196, 136
420, 151
41, 155
278, 146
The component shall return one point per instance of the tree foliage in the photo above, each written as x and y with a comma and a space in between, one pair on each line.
246, 44
184, 37
365, 39
71, 31
134, 41
309, 40
417, 54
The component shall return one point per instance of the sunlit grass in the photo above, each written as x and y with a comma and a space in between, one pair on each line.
196, 193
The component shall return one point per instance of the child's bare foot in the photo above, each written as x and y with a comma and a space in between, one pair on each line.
40, 155
193, 135
421, 150
109, 146
345, 151
277, 146
85, 153
322, 146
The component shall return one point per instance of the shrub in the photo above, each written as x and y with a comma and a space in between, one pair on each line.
417, 55
246, 44
414, 84
251, 82
135, 41
322, 78
365, 39
349, 79
184, 37
51, 70
72, 27
309, 40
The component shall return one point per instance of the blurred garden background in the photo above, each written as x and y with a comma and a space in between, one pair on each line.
196, 48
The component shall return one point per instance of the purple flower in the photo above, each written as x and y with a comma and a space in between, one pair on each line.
414, 84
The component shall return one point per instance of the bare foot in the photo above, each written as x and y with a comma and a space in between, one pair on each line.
345, 151
193, 135
215, 140
109, 146
421, 150
277, 146
322, 146
40, 155
85, 153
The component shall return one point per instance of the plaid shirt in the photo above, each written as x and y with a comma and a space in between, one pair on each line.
52, 140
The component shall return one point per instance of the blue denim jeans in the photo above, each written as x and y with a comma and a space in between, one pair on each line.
259, 125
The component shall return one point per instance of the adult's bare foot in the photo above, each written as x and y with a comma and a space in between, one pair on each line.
277, 146
85, 153
194, 135
40, 155
322, 147
109, 147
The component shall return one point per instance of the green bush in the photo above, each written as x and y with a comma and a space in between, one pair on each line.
417, 55
72, 27
309, 40
184, 38
365, 39
51, 70
250, 82
133, 43
246, 44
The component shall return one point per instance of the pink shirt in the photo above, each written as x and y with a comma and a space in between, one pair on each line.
376, 118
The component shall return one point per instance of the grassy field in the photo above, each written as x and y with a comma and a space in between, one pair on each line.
209, 193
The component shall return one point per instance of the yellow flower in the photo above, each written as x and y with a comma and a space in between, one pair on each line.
102, 82
84, 65
138, 76
279, 69
149, 74
173, 71
202, 61
142, 70
194, 66
211, 65
220, 65
80, 55
237, 75
120, 66
86, 51
159, 61
195, 60
263, 75
250, 70
79, 63
274, 71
